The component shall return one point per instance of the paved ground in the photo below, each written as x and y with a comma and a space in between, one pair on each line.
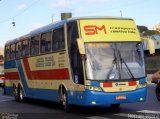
34, 109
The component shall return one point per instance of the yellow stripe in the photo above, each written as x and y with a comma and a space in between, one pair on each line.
10, 70
122, 86
50, 61
9, 83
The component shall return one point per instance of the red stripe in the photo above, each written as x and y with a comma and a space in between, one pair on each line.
2, 77
12, 76
27, 68
53, 74
50, 74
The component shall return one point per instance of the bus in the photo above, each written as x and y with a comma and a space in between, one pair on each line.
87, 61
1, 67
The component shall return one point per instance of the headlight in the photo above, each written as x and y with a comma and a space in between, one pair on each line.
93, 88
142, 85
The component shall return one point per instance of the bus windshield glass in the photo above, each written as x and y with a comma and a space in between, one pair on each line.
114, 61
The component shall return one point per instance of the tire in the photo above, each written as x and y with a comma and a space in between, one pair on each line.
4, 90
21, 95
66, 106
15, 93
115, 106
157, 91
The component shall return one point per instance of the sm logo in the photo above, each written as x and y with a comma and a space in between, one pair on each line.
93, 29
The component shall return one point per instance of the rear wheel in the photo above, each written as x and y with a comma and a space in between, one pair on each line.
158, 91
21, 95
4, 89
15, 93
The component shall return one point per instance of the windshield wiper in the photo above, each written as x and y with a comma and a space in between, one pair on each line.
113, 63
123, 61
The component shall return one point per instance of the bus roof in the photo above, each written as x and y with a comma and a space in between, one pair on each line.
60, 23
17, 39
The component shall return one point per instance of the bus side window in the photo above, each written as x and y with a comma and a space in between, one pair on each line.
58, 39
34, 45
75, 57
12, 51
46, 42
18, 50
7, 53
25, 48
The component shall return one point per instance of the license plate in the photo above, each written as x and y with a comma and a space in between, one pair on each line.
121, 97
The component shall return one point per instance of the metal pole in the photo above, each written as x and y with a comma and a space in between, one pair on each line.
52, 17
121, 13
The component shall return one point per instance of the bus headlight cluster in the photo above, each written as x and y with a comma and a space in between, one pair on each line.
142, 85
93, 88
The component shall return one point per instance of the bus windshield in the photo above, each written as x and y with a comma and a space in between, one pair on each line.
114, 61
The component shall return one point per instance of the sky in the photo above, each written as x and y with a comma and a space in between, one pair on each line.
31, 14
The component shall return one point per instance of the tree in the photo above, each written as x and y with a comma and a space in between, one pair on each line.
150, 32
142, 28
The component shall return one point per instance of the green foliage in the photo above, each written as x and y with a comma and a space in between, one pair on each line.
150, 32
145, 32
142, 28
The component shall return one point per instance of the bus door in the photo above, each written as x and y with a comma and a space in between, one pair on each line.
77, 73
76, 62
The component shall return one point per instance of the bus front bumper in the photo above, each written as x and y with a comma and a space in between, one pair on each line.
93, 98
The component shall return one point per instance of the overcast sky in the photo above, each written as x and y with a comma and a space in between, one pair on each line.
31, 14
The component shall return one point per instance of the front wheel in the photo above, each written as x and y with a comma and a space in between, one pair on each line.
66, 106
158, 91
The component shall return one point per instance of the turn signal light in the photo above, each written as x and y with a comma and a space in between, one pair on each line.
107, 84
132, 83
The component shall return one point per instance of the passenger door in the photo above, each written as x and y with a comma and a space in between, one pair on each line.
76, 62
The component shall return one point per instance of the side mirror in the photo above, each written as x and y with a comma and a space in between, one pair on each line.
81, 47
150, 45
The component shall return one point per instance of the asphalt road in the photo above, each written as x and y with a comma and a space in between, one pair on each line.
35, 109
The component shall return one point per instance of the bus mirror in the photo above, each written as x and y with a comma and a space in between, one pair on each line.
81, 46
151, 46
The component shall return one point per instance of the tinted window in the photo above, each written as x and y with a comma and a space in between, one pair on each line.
12, 51
46, 42
35, 45
25, 48
7, 53
72, 35
58, 39
18, 50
